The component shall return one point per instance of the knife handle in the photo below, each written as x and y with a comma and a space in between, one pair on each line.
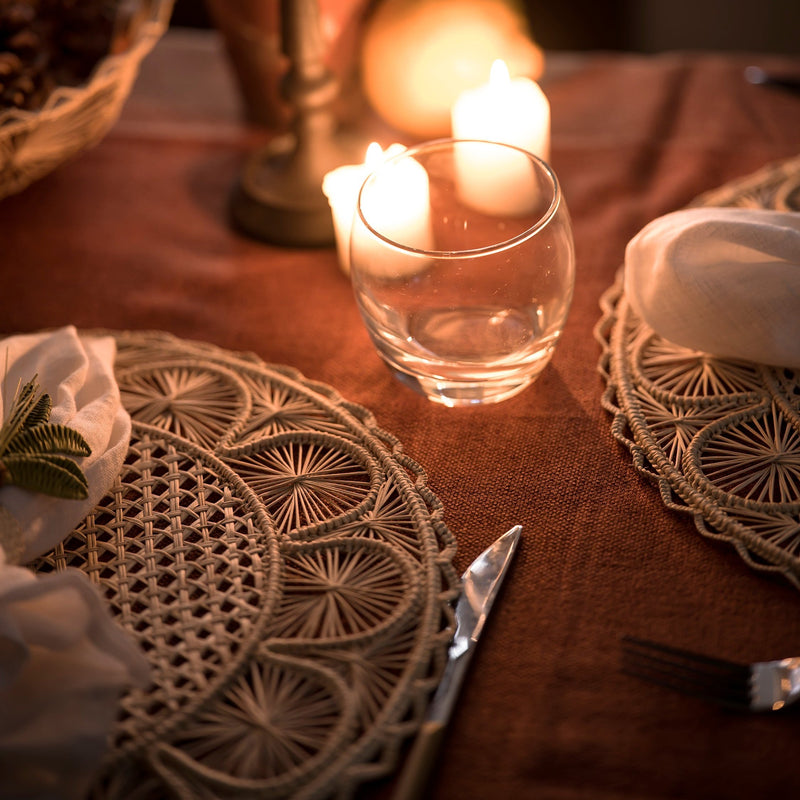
420, 762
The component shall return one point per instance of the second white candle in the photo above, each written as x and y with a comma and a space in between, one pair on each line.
506, 111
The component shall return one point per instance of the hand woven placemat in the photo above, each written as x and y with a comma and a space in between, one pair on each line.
285, 569
720, 438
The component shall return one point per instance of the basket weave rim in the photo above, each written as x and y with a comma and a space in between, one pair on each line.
63, 98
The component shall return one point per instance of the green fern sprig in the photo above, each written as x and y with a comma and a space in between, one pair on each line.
33, 452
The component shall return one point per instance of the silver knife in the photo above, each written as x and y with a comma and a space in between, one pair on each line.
480, 585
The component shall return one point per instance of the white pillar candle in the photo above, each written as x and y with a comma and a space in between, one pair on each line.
504, 110
395, 202
513, 112
342, 185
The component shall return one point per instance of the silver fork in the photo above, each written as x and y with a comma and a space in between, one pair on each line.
761, 686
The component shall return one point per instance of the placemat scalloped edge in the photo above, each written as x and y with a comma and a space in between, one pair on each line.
764, 188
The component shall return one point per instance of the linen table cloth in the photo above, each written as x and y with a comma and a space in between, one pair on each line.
134, 235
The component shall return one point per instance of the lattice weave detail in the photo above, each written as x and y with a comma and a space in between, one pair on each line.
284, 568
721, 438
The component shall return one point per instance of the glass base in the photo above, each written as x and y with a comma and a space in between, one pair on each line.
465, 379
455, 394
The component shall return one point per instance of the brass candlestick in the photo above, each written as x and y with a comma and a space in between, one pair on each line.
278, 197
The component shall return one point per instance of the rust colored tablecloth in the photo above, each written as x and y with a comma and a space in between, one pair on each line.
133, 234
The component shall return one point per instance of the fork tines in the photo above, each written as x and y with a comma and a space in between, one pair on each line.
726, 683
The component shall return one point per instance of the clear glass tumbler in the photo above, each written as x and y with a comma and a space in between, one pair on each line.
463, 266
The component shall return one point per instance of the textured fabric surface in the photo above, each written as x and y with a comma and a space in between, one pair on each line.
134, 235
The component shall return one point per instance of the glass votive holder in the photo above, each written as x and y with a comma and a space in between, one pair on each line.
463, 266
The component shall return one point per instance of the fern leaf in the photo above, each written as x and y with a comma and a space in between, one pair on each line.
21, 406
53, 475
40, 413
33, 453
48, 439
26, 395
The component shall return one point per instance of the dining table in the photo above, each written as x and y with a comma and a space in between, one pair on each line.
134, 235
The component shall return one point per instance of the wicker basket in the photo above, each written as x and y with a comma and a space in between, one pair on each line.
74, 118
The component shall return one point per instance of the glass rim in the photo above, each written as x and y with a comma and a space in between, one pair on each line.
438, 144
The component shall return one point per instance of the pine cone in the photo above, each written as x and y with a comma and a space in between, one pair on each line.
10, 66
16, 16
47, 43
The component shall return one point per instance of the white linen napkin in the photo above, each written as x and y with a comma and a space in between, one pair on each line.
725, 281
63, 659
78, 374
63, 664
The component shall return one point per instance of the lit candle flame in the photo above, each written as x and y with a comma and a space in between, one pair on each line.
498, 74
374, 155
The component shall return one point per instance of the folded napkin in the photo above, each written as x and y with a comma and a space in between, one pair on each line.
78, 374
63, 659
725, 281
63, 664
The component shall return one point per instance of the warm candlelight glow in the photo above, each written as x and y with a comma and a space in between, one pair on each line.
510, 111
418, 56
374, 155
499, 75
342, 185
395, 200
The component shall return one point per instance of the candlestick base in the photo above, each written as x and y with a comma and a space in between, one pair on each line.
278, 197
272, 202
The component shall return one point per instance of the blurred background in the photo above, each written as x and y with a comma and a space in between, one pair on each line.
647, 26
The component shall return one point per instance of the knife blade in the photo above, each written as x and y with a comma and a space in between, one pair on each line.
480, 585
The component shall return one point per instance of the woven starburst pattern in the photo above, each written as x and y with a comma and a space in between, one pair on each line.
720, 438
283, 566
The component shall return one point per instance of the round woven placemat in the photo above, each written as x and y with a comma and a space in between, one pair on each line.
720, 438
285, 569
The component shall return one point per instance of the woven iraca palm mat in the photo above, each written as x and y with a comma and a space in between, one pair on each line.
285, 569
720, 438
